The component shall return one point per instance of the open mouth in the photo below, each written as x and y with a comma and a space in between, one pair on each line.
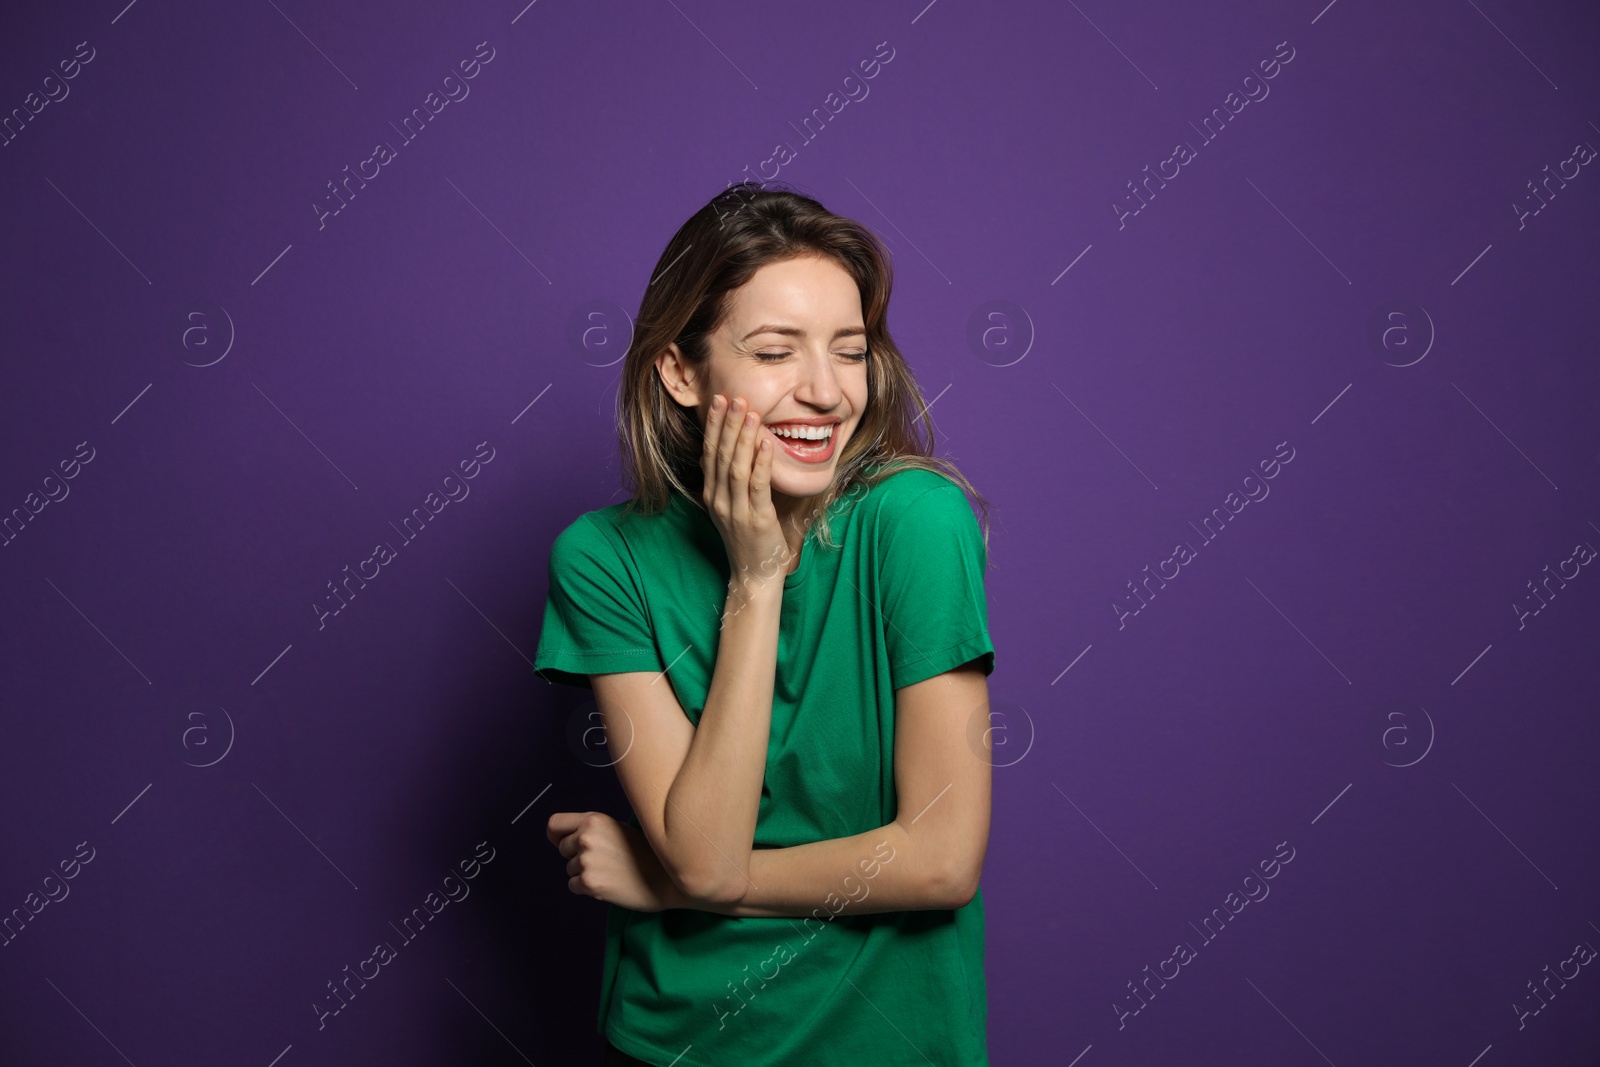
810, 444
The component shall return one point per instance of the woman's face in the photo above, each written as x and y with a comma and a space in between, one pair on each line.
793, 346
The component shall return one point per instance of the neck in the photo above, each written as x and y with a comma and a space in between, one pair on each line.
795, 516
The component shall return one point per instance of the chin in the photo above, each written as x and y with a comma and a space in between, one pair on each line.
803, 484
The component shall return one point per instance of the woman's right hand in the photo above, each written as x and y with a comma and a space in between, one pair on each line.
737, 461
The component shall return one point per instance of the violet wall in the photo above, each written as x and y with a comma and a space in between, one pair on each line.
1323, 276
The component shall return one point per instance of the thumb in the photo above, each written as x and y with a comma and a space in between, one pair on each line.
561, 824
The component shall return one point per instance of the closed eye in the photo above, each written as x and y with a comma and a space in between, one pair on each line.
773, 357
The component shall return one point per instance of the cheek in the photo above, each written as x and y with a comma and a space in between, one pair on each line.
858, 394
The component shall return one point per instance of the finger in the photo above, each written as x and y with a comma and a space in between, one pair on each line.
727, 442
744, 449
718, 449
713, 433
761, 474
561, 824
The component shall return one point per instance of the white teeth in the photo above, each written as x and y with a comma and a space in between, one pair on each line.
805, 433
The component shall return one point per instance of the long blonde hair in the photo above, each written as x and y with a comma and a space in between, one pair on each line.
720, 247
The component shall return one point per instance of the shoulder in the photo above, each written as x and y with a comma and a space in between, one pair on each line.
611, 536
590, 538
580, 534
917, 491
915, 510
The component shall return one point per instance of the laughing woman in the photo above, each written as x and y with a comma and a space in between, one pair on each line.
786, 633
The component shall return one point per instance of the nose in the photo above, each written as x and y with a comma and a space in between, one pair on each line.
819, 381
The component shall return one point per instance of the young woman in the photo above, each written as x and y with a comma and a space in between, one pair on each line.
787, 638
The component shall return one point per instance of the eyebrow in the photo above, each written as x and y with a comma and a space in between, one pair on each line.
795, 331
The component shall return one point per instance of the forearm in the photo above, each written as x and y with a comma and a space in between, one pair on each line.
878, 871
713, 803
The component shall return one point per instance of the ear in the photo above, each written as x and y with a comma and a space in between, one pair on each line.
677, 375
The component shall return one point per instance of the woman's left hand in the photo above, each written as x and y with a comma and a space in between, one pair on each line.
612, 862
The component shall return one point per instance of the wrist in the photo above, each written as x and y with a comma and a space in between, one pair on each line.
748, 590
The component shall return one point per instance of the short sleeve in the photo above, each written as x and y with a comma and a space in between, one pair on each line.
936, 617
594, 617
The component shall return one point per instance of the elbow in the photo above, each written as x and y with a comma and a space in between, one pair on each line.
708, 877
957, 886
710, 888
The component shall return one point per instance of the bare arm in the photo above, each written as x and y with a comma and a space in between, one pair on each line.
712, 805
697, 790
929, 857
877, 871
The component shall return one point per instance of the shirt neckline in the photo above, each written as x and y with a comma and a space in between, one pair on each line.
807, 548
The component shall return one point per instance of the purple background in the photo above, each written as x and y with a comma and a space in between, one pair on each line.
1342, 268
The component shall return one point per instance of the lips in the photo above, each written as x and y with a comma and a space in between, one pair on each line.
799, 451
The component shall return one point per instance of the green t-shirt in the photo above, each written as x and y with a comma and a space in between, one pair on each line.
900, 600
